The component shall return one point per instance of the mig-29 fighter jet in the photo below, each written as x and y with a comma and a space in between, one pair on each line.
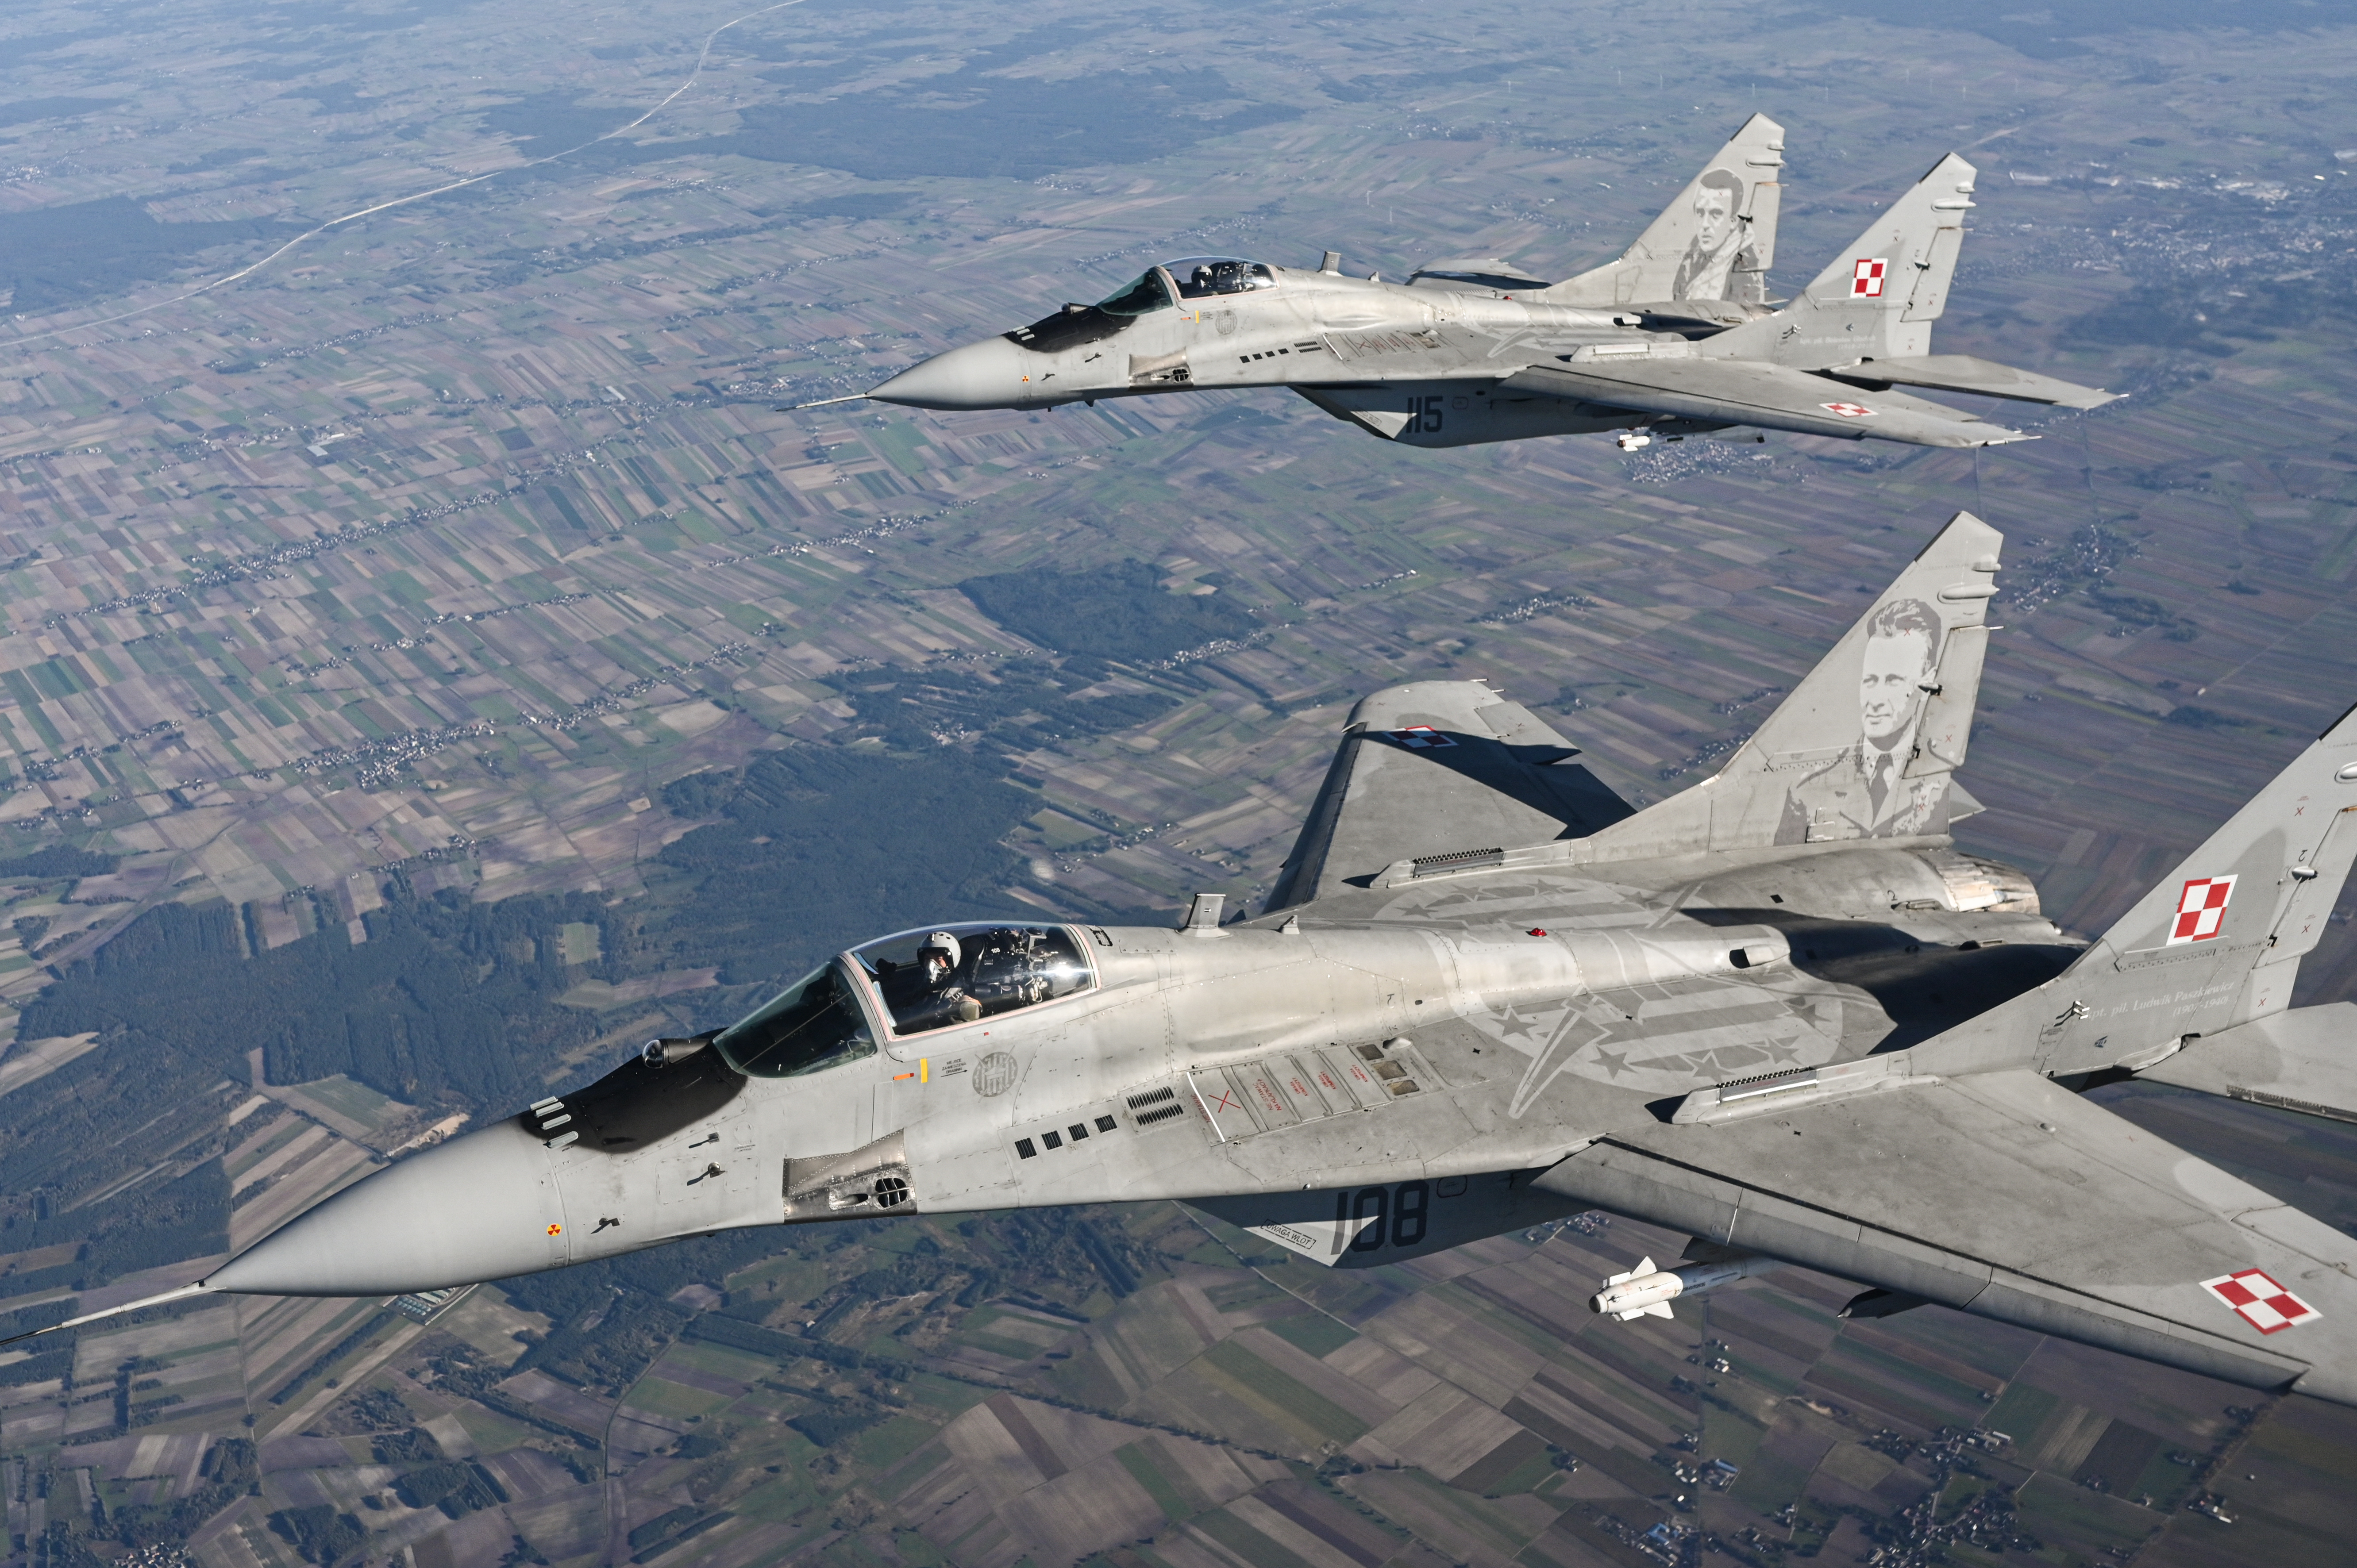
1780, 1012
1676, 338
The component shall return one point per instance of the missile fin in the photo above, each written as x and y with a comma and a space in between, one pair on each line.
1658, 1309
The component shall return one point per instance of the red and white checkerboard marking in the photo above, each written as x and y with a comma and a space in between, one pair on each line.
1867, 282
2260, 1301
2200, 909
1848, 410
1421, 737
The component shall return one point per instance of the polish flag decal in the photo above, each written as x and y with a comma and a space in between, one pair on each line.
2200, 909
2258, 1301
1866, 283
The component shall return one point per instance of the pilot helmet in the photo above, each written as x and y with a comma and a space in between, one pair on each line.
940, 943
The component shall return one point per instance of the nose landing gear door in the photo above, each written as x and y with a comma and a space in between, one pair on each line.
708, 1182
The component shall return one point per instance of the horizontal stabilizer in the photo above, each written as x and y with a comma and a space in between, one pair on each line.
1964, 373
1771, 397
2305, 1060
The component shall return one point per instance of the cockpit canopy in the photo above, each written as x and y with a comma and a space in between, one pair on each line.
1200, 277
959, 975
1076, 325
931, 978
1195, 277
817, 1023
1145, 293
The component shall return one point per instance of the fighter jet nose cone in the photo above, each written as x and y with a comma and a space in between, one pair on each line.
993, 373
479, 1208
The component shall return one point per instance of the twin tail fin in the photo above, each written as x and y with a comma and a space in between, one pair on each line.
1715, 242
1865, 745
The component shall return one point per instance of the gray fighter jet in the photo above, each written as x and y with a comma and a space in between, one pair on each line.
1780, 1012
1676, 338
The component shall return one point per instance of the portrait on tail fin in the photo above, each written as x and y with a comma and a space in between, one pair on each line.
1705, 272
1864, 792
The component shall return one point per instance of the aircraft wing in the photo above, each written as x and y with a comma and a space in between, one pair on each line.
2003, 1195
1437, 768
1736, 392
1961, 373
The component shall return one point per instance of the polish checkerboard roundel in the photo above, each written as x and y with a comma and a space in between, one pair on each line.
2200, 909
2258, 1301
1866, 283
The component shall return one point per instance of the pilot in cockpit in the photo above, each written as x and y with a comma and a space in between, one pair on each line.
1219, 277
926, 995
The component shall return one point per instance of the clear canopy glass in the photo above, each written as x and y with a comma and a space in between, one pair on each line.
1137, 296
815, 1024
941, 975
1199, 277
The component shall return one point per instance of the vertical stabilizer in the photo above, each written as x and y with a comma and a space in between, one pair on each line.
1717, 241
1864, 747
1879, 298
2228, 927
2216, 943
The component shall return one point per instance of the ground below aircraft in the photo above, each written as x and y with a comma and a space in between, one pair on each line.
1676, 338
1780, 1012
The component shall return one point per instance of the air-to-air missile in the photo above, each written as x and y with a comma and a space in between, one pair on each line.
1647, 1292
1676, 338
1778, 1012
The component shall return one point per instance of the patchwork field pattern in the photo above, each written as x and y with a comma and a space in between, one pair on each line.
460, 559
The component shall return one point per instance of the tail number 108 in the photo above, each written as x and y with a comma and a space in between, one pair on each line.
1384, 1216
